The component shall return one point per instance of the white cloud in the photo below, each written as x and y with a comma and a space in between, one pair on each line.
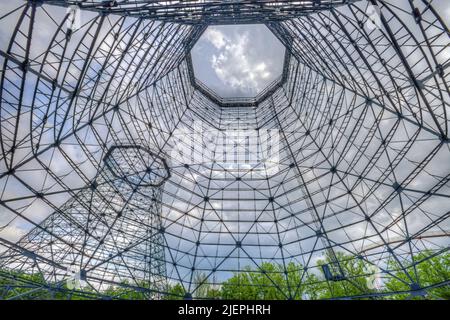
232, 64
216, 37
241, 61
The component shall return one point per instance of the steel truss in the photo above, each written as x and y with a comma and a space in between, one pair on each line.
101, 185
205, 11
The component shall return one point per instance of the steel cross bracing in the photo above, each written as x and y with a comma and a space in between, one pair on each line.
112, 228
205, 11
357, 172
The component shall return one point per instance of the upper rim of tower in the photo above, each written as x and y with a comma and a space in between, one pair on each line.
206, 12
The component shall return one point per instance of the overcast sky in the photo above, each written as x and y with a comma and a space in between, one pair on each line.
233, 61
238, 60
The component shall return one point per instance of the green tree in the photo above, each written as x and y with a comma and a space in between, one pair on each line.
352, 276
270, 281
203, 289
427, 270
175, 292
21, 285
127, 292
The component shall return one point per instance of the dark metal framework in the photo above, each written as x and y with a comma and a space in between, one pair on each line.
205, 11
93, 194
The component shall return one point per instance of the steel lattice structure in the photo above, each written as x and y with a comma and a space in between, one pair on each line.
99, 169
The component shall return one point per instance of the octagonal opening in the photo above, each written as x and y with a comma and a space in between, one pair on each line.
237, 61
